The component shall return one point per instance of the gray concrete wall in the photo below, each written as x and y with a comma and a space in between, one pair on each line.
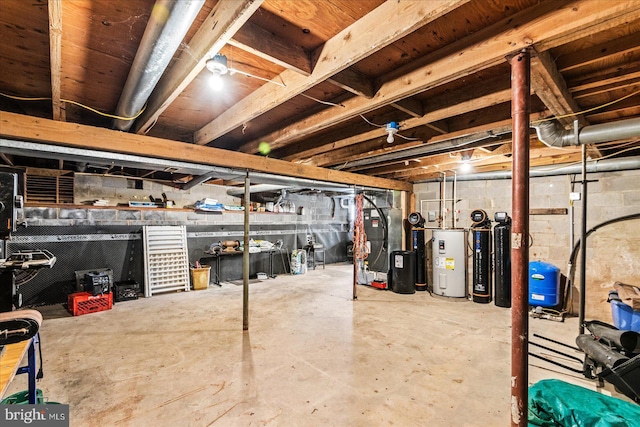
613, 252
116, 190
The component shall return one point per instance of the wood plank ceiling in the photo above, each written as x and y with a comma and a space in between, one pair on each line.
318, 80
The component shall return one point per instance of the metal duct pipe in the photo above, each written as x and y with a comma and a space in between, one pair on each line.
554, 135
469, 141
607, 165
169, 22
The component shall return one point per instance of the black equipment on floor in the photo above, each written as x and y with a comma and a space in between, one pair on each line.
419, 246
403, 272
502, 259
481, 232
610, 355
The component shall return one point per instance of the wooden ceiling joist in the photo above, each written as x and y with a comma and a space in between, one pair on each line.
55, 56
266, 45
363, 38
601, 52
509, 36
549, 85
226, 18
482, 101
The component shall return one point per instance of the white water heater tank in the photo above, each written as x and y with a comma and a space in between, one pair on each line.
450, 263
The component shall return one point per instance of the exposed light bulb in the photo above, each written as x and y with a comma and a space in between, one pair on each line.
465, 167
391, 129
215, 81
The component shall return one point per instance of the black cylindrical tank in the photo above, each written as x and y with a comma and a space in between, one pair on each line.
420, 248
502, 259
481, 233
403, 272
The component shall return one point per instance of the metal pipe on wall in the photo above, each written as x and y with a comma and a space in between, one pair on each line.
245, 256
583, 239
520, 112
594, 166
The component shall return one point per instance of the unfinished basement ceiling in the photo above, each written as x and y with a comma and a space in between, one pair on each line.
326, 76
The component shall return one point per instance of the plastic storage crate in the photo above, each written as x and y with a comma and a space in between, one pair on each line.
624, 317
126, 291
84, 303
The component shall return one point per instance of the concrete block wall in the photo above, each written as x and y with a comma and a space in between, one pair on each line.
613, 252
115, 189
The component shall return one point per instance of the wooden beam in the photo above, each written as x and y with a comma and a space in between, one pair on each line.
359, 40
602, 52
7, 159
27, 128
410, 106
515, 33
551, 88
442, 111
622, 84
604, 77
354, 82
55, 56
549, 211
223, 22
266, 45
505, 166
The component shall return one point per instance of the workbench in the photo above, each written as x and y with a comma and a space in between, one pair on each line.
219, 255
10, 365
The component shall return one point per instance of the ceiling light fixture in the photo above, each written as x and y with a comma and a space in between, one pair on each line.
218, 67
391, 129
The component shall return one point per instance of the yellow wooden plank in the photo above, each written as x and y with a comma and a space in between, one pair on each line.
10, 362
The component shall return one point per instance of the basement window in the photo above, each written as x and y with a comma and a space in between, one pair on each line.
135, 184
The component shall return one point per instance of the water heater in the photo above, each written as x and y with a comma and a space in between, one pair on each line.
450, 263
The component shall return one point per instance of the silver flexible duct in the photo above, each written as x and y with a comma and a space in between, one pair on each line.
167, 26
554, 135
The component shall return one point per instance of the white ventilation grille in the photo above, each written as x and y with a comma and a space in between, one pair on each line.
166, 259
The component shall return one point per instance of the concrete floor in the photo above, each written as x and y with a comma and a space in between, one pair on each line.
312, 357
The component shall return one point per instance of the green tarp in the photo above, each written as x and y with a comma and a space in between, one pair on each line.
554, 403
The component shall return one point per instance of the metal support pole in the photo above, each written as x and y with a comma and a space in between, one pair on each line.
520, 112
245, 257
583, 242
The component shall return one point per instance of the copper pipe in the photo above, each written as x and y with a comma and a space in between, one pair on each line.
520, 112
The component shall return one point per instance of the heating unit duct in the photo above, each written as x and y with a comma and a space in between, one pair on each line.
169, 22
554, 135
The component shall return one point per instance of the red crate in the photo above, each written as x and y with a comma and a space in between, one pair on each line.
84, 303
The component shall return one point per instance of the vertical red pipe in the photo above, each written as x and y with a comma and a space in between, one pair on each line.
520, 111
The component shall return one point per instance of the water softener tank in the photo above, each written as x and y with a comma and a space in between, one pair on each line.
502, 259
544, 284
481, 232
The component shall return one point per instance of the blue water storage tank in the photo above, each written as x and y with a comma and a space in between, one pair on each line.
544, 284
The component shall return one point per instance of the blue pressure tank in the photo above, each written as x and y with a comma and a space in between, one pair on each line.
544, 284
